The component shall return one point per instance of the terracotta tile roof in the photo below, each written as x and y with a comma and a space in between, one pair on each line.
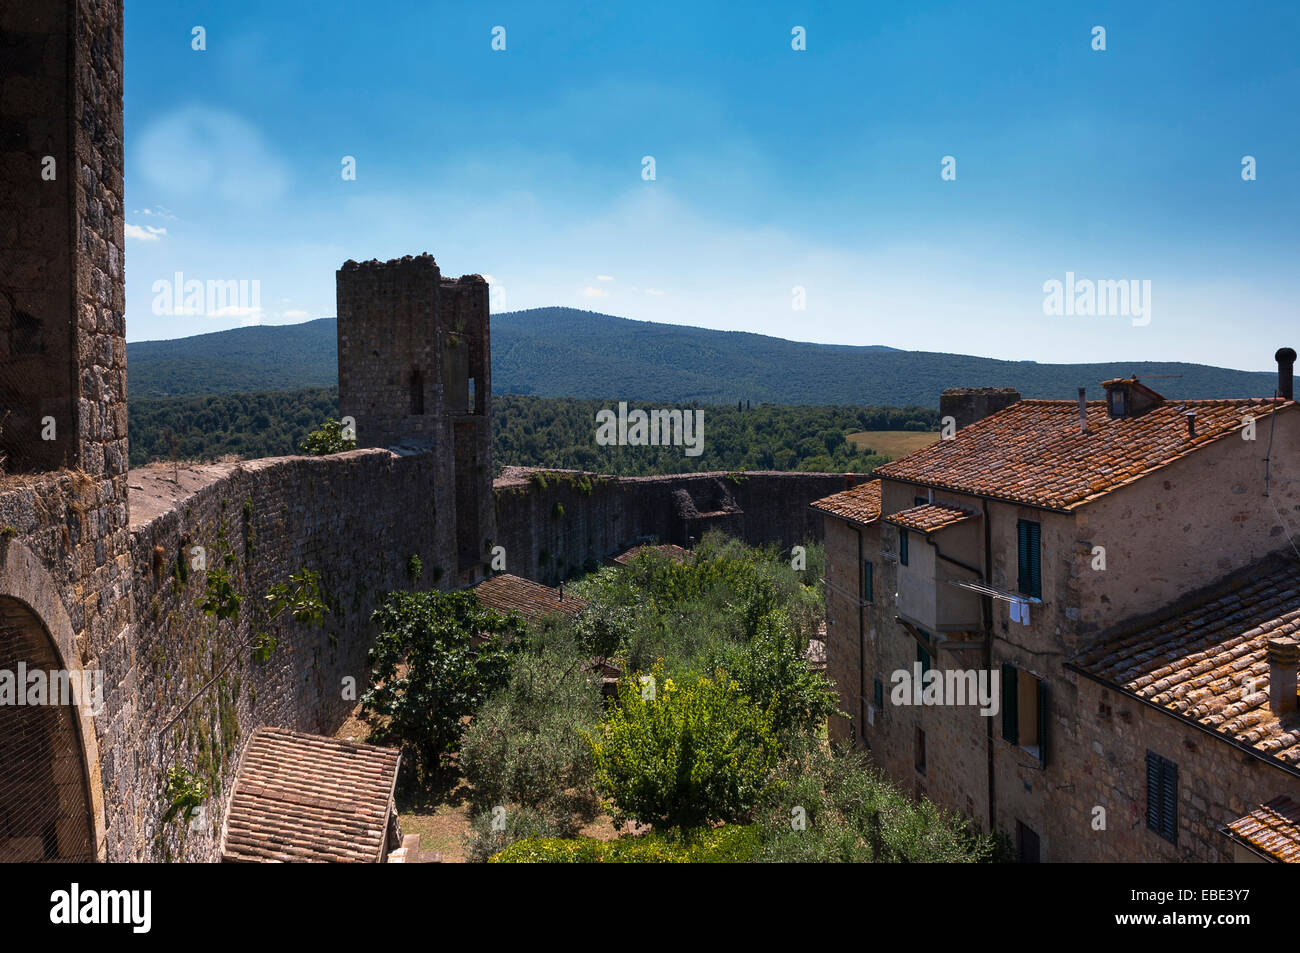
530, 599
675, 553
860, 504
1194, 660
300, 797
1032, 452
930, 517
1272, 829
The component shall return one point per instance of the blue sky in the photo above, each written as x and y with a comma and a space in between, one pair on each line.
775, 169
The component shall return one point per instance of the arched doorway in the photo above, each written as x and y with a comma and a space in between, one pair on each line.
44, 808
47, 809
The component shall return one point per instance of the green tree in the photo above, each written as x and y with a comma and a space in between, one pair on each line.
327, 438
693, 754
437, 658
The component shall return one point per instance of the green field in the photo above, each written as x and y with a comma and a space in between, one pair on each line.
891, 443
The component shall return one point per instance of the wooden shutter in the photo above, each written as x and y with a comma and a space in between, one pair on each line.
902, 547
1029, 545
1169, 800
880, 693
868, 581
1162, 797
1010, 705
1042, 723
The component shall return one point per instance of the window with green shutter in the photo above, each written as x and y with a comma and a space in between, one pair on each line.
1029, 540
868, 581
902, 547
923, 657
878, 693
1010, 702
1162, 797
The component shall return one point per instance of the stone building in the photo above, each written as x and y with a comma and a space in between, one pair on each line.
414, 355
1114, 576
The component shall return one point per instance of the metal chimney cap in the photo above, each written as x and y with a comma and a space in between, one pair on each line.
1285, 355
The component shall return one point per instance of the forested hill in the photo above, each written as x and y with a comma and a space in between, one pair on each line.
563, 352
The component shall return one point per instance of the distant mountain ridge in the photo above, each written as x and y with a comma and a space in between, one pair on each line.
564, 352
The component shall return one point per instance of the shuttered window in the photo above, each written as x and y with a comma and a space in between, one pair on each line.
1010, 705
1162, 797
923, 657
868, 581
1029, 538
902, 547
879, 693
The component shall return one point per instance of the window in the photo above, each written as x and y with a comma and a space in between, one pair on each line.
1024, 712
878, 693
1029, 537
417, 391
1027, 849
923, 657
1162, 797
920, 749
1117, 399
920, 501
902, 547
868, 581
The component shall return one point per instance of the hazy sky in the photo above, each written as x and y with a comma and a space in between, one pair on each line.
774, 168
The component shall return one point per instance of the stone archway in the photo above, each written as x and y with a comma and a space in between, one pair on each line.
51, 806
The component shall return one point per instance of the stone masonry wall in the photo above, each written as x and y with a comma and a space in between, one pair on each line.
355, 518
553, 524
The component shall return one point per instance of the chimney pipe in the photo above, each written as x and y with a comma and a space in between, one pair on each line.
1285, 358
1283, 662
1191, 423
1083, 410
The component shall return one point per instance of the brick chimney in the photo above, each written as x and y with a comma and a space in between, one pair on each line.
1283, 662
969, 404
1285, 358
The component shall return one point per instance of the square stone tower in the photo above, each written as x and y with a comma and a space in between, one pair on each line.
62, 298
415, 374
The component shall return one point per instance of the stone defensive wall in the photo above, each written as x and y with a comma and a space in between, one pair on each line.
554, 524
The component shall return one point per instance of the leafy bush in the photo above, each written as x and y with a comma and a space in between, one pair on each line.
427, 674
492, 832
326, 439
526, 745
730, 844
852, 813
694, 754
772, 671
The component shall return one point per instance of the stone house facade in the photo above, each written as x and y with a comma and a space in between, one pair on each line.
1033, 555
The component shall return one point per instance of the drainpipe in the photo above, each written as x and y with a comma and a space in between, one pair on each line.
988, 659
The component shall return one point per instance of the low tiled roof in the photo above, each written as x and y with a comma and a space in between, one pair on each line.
930, 517
1272, 829
1194, 660
530, 599
860, 504
300, 797
675, 553
1033, 452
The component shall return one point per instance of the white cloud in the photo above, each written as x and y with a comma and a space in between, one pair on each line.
146, 234
205, 152
604, 277
295, 314
653, 291
590, 292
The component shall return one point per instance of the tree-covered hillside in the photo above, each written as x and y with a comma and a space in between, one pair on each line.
528, 431
562, 352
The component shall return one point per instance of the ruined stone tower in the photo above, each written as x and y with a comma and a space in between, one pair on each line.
415, 373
